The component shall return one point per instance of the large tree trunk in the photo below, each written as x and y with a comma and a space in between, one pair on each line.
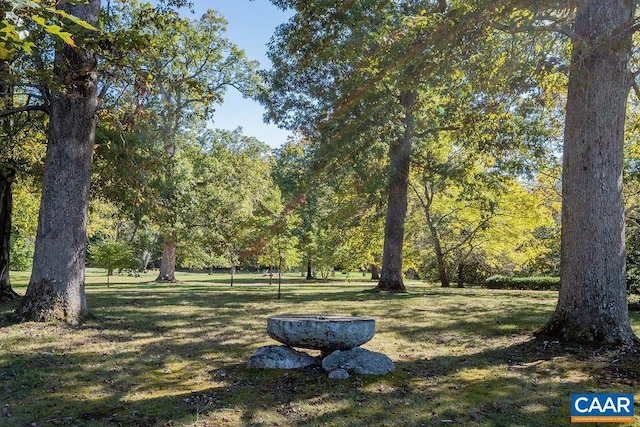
169, 239
7, 175
592, 305
399, 155
168, 262
56, 288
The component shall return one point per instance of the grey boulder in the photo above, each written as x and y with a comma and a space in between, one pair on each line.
339, 374
280, 357
358, 361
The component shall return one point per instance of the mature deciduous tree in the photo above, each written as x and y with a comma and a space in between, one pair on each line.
7, 176
499, 123
275, 242
56, 287
355, 78
592, 306
21, 110
22, 17
293, 175
335, 75
182, 73
232, 173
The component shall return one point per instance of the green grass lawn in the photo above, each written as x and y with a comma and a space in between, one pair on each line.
175, 354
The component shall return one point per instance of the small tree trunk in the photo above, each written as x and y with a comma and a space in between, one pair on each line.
232, 270
168, 263
437, 247
399, 155
309, 270
7, 175
375, 272
592, 303
56, 288
461, 275
144, 261
280, 278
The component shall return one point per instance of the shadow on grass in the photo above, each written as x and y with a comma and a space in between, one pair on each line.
170, 355
420, 392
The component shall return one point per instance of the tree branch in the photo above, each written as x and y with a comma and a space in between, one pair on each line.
436, 130
633, 222
24, 108
469, 236
631, 208
554, 27
636, 26
636, 89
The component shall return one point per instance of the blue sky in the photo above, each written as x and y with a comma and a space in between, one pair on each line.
251, 24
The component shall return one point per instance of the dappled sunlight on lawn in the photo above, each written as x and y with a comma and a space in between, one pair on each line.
174, 354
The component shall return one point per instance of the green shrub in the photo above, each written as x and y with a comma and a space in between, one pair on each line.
112, 255
633, 279
21, 256
543, 283
633, 259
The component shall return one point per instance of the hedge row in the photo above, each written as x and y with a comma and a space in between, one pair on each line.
543, 283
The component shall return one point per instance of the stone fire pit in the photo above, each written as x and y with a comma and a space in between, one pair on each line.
320, 331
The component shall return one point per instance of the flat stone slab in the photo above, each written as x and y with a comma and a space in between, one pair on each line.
321, 332
280, 357
359, 361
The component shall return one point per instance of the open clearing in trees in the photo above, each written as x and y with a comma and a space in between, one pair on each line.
175, 354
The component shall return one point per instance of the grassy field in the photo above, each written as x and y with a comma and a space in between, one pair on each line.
174, 355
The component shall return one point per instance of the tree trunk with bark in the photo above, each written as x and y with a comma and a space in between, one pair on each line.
309, 270
170, 238
437, 246
391, 279
56, 288
232, 271
168, 263
280, 278
460, 275
375, 272
592, 304
7, 175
